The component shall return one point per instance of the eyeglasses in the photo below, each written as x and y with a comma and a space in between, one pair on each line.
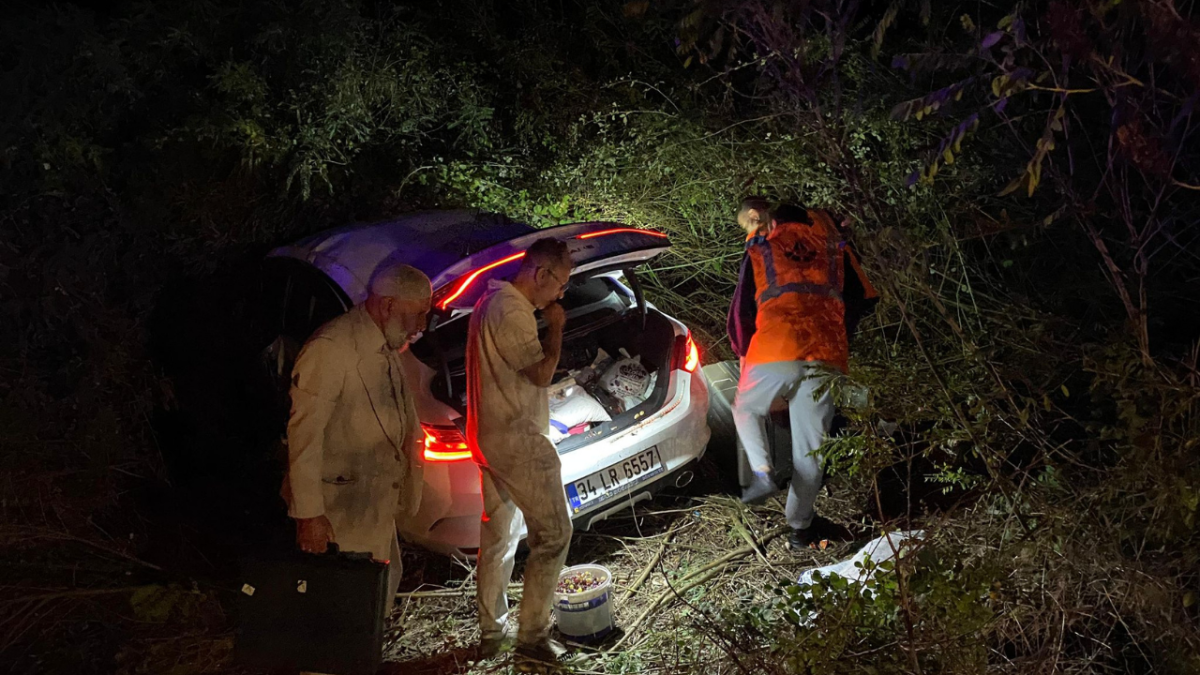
563, 284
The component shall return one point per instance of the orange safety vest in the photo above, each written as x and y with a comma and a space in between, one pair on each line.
799, 279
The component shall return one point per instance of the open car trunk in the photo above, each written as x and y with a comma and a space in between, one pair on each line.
601, 320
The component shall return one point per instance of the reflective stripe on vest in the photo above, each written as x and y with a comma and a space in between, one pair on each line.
832, 289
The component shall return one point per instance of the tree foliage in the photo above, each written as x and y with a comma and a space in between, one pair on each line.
1020, 179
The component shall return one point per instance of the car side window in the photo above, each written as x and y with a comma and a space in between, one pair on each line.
308, 302
297, 300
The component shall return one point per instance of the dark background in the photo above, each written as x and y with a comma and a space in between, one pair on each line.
1036, 349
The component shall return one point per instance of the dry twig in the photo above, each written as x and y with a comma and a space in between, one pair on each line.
693, 579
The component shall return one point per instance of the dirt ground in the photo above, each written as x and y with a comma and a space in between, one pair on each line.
678, 562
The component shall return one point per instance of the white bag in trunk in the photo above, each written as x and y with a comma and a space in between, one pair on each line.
572, 406
626, 378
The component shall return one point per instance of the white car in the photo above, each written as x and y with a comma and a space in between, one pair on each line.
647, 445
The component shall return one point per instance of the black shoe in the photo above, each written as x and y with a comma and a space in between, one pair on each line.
758, 490
547, 652
798, 540
490, 648
818, 534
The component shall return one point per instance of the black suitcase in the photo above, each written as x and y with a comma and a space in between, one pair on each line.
320, 613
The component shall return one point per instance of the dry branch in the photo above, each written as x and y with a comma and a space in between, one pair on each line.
693, 579
641, 578
79, 593
451, 592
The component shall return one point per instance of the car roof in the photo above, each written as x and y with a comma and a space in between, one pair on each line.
431, 241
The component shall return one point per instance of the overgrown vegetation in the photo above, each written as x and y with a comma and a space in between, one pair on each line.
1021, 180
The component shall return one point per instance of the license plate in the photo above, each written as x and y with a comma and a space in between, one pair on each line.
614, 480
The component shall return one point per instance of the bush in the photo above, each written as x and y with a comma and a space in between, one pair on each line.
836, 625
1034, 347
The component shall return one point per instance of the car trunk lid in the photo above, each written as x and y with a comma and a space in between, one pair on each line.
593, 246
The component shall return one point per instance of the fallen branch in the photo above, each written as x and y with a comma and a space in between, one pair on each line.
757, 550
641, 578
693, 579
662, 598
743, 531
452, 592
80, 593
37, 533
737, 553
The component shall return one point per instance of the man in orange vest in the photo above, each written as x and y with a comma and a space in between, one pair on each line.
788, 323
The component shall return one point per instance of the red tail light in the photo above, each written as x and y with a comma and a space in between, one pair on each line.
618, 230
692, 360
444, 444
686, 355
449, 294
462, 287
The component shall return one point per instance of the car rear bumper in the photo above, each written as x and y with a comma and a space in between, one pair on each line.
678, 478
680, 432
452, 503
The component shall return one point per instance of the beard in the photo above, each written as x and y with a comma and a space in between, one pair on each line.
397, 338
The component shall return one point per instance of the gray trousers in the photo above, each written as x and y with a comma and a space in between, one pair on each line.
796, 382
531, 496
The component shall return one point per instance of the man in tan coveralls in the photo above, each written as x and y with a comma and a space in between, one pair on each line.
508, 421
354, 437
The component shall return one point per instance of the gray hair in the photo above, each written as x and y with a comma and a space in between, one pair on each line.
400, 281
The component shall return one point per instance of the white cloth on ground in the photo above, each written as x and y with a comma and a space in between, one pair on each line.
881, 549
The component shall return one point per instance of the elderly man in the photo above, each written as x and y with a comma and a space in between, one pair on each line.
353, 436
508, 420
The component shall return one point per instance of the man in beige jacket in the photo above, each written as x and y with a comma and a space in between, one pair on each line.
354, 437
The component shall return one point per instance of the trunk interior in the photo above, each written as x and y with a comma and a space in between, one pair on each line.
600, 317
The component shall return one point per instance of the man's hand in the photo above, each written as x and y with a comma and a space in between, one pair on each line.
555, 316
541, 374
314, 535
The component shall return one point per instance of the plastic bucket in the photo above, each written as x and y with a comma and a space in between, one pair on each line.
586, 616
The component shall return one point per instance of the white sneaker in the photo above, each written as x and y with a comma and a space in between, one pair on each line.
759, 489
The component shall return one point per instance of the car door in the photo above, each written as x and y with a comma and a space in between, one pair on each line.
297, 300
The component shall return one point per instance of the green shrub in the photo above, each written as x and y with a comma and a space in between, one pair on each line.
923, 614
